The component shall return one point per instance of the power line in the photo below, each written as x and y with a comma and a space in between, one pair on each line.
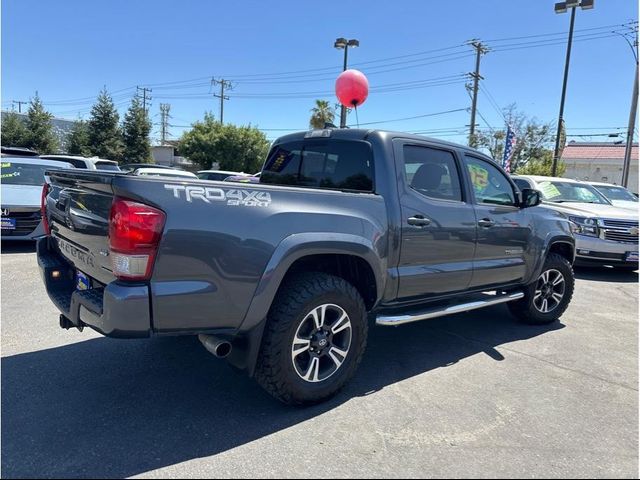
414, 117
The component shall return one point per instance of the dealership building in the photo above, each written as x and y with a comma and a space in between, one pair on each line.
600, 162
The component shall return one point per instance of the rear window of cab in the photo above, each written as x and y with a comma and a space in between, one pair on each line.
335, 164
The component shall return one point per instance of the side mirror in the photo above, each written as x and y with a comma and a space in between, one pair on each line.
530, 198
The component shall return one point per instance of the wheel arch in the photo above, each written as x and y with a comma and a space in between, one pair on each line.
351, 257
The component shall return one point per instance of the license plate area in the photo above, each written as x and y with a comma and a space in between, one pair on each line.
8, 223
82, 281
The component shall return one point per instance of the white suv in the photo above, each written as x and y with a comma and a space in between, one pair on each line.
88, 163
605, 234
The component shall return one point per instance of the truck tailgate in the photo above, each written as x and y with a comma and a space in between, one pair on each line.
78, 207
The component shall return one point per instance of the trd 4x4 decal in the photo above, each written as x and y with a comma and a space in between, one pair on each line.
247, 198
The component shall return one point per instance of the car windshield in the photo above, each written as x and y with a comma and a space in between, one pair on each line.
22, 173
617, 193
559, 192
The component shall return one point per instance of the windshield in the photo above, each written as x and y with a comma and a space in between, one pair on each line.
557, 191
18, 173
617, 193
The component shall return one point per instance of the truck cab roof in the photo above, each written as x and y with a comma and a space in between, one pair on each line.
364, 134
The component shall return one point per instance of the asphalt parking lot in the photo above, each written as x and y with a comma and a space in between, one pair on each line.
472, 395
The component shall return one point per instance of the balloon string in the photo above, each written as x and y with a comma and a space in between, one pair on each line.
357, 119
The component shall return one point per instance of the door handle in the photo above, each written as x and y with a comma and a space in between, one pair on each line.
418, 221
486, 222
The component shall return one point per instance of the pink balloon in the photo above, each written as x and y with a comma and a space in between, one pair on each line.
352, 88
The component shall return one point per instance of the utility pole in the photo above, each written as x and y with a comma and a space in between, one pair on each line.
164, 113
223, 83
630, 131
13, 102
144, 97
480, 50
632, 113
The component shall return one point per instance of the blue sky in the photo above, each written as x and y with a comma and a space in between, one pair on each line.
67, 50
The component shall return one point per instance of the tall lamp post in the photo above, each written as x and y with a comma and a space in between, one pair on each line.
345, 44
562, 7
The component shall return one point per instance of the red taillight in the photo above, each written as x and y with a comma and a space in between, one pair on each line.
134, 234
43, 208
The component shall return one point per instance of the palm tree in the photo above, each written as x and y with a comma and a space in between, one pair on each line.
320, 114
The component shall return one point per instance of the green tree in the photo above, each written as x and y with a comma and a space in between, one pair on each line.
14, 132
322, 113
232, 147
533, 141
542, 166
135, 133
105, 138
40, 134
78, 139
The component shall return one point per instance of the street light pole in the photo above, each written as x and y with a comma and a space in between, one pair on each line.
562, 7
344, 43
343, 109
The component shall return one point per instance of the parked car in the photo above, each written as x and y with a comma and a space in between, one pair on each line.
617, 195
243, 179
606, 235
128, 167
162, 172
280, 277
219, 175
87, 163
17, 152
21, 184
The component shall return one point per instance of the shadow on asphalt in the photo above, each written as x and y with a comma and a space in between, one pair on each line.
606, 274
17, 247
117, 408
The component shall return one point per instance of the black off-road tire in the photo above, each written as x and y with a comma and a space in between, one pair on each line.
525, 310
298, 296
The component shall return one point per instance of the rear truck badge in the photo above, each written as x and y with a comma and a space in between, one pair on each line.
247, 198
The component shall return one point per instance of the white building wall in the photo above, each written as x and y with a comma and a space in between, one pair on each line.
602, 170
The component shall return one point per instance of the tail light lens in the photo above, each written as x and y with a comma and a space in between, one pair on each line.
135, 230
43, 208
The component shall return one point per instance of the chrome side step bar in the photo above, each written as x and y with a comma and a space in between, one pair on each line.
394, 320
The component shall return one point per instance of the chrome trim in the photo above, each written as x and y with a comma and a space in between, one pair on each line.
393, 320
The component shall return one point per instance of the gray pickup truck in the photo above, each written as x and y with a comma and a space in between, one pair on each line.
282, 277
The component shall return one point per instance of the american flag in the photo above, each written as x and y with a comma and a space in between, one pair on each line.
508, 149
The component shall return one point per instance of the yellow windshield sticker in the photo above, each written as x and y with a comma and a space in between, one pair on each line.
549, 190
479, 177
6, 164
9, 175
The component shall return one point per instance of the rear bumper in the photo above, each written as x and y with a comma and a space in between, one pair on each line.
116, 310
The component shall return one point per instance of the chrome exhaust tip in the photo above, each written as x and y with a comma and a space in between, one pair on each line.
215, 345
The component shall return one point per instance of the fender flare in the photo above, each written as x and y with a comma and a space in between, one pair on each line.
553, 238
301, 245
290, 249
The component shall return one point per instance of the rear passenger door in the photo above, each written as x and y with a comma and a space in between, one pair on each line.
504, 229
438, 224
